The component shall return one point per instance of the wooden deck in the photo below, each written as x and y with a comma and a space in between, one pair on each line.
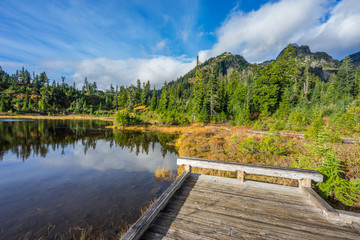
219, 208
207, 207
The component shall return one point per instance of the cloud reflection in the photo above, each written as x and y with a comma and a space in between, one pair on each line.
105, 158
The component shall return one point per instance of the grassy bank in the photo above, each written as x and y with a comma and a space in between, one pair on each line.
238, 144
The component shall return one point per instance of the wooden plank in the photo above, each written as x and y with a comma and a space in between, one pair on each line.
192, 226
328, 211
258, 212
170, 233
273, 171
242, 228
247, 192
232, 182
349, 216
245, 198
254, 205
224, 227
259, 221
142, 224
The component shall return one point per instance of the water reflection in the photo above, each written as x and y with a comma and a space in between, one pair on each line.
61, 174
36, 138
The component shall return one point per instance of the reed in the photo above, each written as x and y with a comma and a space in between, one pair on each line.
164, 174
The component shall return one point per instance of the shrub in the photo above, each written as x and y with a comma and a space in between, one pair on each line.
334, 186
249, 146
125, 119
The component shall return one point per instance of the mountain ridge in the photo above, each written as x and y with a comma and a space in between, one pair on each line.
321, 64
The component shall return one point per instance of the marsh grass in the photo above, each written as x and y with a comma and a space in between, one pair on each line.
164, 174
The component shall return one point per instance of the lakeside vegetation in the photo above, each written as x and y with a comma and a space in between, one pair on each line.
288, 94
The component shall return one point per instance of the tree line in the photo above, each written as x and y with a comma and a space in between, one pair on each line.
284, 91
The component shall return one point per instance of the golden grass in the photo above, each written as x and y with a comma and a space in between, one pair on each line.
164, 174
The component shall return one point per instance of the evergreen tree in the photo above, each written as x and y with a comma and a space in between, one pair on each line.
145, 96
164, 99
273, 80
131, 98
198, 91
123, 97
212, 95
138, 92
153, 101
173, 99
346, 77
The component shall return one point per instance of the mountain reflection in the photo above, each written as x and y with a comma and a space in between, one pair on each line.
41, 137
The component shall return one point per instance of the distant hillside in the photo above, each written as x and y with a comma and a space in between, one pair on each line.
320, 64
221, 65
355, 59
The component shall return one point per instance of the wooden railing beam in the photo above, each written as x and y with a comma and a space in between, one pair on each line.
273, 171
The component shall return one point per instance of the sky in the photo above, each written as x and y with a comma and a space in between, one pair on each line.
119, 41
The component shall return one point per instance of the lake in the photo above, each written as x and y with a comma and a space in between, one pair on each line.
65, 178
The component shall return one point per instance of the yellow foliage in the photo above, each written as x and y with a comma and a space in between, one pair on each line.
164, 174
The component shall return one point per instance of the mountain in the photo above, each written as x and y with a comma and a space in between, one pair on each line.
221, 65
320, 64
355, 59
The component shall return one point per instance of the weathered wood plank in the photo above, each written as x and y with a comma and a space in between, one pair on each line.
291, 228
232, 229
260, 213
204, 230
241, 228
273, 171
142, 224
349, 216
261, 207
248, 192
328, 211
170, 233
245, 198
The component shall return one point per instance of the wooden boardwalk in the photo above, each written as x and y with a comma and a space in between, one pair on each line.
207, 207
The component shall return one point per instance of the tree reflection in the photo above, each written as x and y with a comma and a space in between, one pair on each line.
27, 138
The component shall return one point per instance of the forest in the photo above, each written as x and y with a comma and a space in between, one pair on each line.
286, 93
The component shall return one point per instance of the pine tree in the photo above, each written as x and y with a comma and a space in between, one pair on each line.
164, 99
212, 95
346, 77
131, 98
274, 78
123, 97
198, 92
173, 99
138, 92
145, 96
153, 101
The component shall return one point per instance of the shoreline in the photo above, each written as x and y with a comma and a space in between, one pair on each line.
66, 117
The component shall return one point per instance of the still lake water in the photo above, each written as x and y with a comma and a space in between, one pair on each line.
64, 177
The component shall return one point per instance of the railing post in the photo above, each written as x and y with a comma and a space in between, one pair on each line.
304, 183
188, 167
240, 176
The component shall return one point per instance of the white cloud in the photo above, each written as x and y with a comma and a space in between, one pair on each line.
340, 34
157, 69
159, 46
260, 35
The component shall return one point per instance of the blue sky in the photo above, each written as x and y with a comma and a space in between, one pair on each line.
120, 41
